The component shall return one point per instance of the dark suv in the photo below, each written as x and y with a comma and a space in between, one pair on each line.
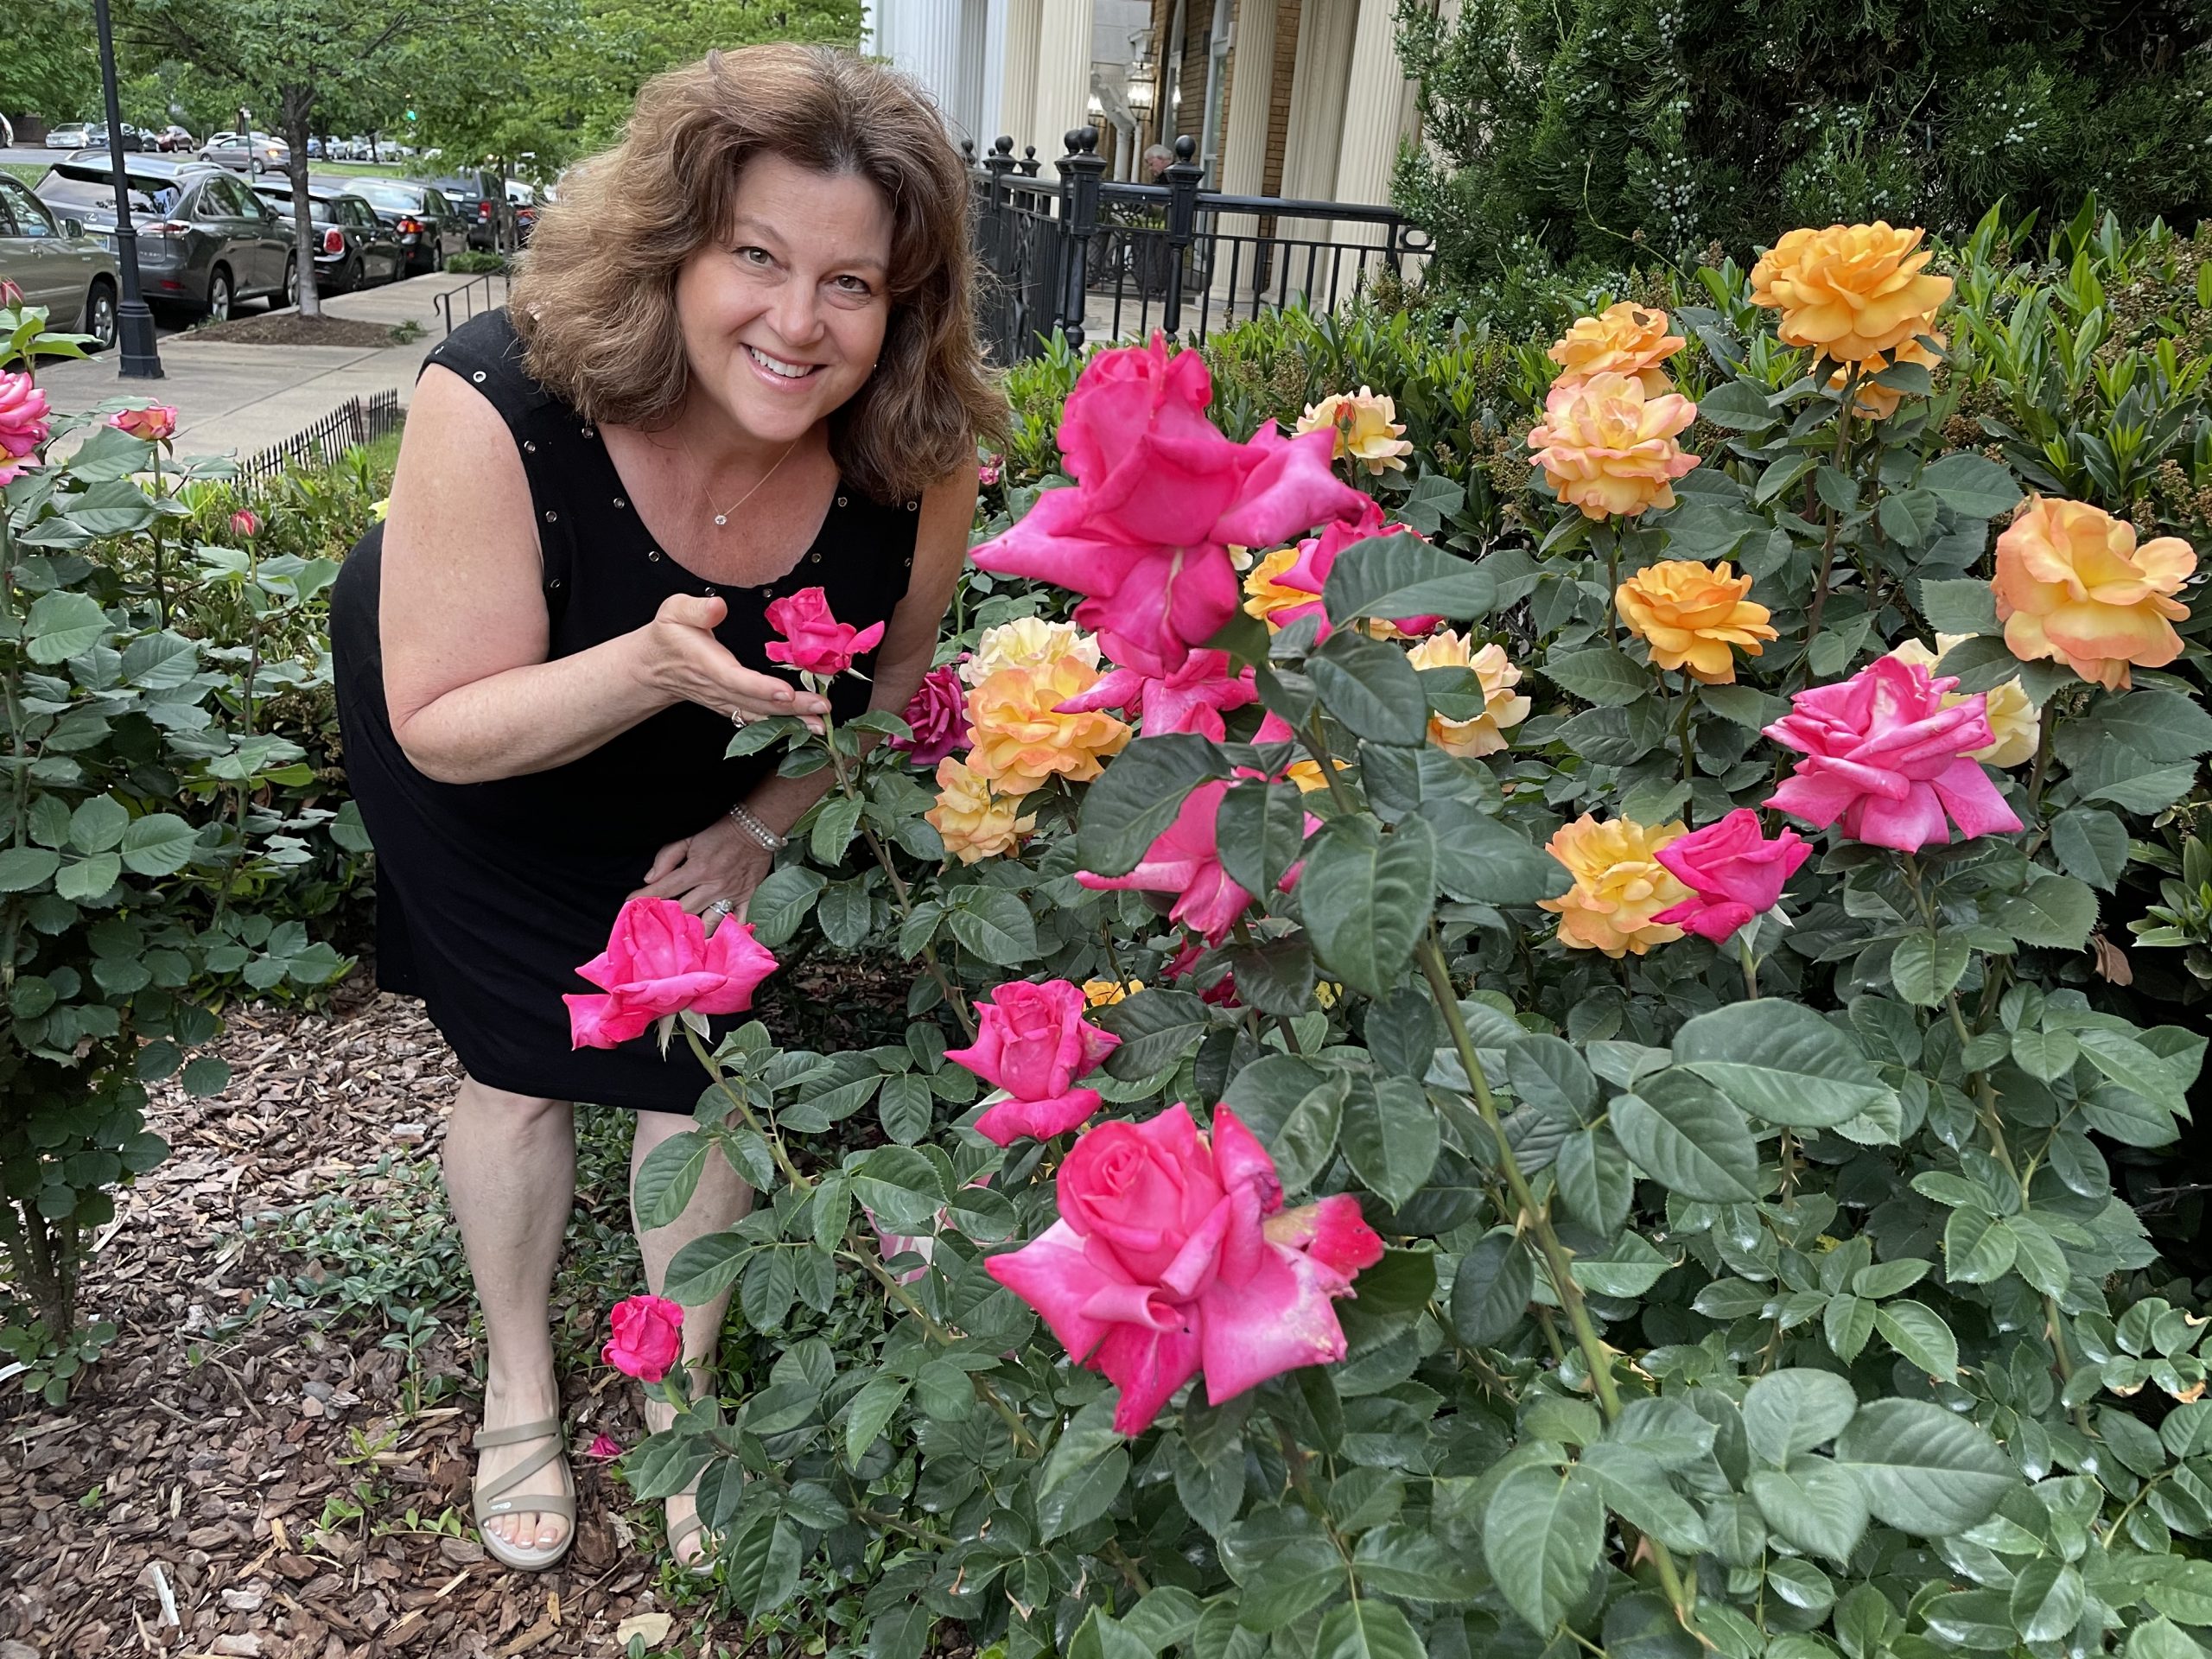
429, 228
484, 204
353, 247
205, 240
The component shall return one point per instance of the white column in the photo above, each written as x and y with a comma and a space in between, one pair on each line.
1063, 79
990, 114
1244, 148
1317, 120
1018, 77
923, 38
1374, 108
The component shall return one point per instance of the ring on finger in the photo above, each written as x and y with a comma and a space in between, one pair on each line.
737, 717
722, 907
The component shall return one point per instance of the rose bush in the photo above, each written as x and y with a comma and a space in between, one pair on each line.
1748, 1271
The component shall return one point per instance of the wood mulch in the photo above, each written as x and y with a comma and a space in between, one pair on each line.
193, 1497
289, 328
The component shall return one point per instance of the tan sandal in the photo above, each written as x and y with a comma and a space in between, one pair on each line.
499, 1496
702, 1565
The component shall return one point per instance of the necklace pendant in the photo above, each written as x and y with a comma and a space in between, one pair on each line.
721, 518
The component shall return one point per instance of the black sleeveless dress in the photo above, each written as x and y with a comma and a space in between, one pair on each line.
489, 895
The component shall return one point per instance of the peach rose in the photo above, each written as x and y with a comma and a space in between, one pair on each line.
1307, 774
975, 822
1874, 402
1851, 292
2072, 586
2015, 724
1619, 885
1484, 733
1104, 993
1608, 449
1623, 339
1367, 426
1690, 614
1028, 642
1020, 738
1264, 594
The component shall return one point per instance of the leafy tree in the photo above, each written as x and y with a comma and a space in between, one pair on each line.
1604, 132
48, 68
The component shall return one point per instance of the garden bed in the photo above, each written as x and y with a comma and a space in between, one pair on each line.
289, 328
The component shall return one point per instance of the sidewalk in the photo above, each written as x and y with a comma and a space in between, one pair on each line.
238, 399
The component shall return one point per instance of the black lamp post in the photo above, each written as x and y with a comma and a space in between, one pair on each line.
134, 323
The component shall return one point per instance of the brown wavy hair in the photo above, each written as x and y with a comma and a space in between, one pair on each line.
595, 304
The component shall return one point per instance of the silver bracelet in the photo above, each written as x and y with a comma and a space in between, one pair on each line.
760, 831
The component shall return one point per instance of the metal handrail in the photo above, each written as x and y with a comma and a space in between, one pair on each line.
467, 290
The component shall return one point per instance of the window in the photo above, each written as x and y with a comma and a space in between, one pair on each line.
87, 197
29, 214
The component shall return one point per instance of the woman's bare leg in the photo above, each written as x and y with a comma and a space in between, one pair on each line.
510, 1177
722, 1200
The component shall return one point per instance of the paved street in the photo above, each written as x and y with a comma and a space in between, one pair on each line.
234, 399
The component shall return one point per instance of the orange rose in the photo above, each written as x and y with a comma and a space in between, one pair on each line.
2072, 585
1368, 428
1484, 733
1307, 774
1623, 339
1851, 292
1102, 993
1874, 402
1608, 449
975, 822
1019, 737
1619, 886
1264, 595
1690, 614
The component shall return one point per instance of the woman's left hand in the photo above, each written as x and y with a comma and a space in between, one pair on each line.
721, 862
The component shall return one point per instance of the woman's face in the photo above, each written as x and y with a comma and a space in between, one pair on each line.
784, 315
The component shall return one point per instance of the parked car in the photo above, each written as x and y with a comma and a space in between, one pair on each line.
56, 264
173, 137
206, 241
490, 216
431, 229
247, 153
99, 136
523, 199
353, 247
70, 135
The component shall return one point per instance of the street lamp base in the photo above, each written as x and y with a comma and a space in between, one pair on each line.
134, 336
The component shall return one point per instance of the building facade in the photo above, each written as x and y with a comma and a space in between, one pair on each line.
1303, 98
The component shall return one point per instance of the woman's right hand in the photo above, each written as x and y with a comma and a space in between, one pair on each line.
683, 659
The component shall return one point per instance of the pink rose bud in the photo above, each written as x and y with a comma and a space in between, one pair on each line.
1033, 1042
937, 714
1883, 754
155, 422
245, 523
1733, 873
812, 639
10, 294
659, 961
1173, 1255
604, 1447
648, 1337
1161, 496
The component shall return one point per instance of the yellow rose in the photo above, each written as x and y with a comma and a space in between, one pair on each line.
2015, 726
2072, 585
1619, 886
1263, 595
1690, 614
1484, 733
975, 822
1029, 642
1851, 292
1607, 448
1102, 992
1875, 402
1368, 428
1307, 774
1623, 339
1019, 739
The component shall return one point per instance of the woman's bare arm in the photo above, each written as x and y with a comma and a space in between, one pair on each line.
467, 688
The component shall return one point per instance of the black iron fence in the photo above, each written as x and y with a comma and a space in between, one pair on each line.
355, 421
469, 298
1093, 258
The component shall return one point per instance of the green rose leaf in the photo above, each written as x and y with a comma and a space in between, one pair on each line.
1541, 1532
1260, 830
1813, 1504
1371, 687
1135, 800
1779, 1061
1390, 1135
1367, 898
1600, 675
1482, 861
1924, 1470
1398, 575
1685, 1135
2056, 911
1972, 485
1791, 1411
1491, 1293
159, 843
1914, 1331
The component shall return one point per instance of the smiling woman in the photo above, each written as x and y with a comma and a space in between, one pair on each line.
740, 368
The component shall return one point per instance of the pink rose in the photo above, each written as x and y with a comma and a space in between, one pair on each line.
1883, 754
1173, 1255
937, 712
245, 523
1033, 1042
23, 414
155, 422
1732, 871
815, 640
1191, 699
1185, 861
659, 961
987, 471
648, 1337
604, 1447
10, 294
1317, 557
1159, 496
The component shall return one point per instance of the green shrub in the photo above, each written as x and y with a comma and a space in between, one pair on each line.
475, 261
